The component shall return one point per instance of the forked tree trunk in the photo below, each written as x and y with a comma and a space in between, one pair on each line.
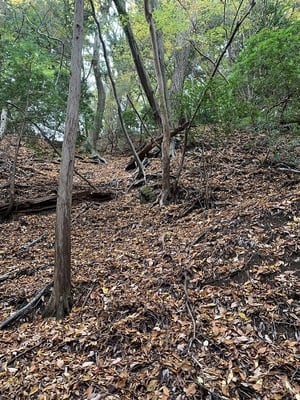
60, 303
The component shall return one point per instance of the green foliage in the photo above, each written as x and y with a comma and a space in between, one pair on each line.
29, 81
131, 119
34, 62
165, 17
147, 194
271, 14
263, 78
264, 85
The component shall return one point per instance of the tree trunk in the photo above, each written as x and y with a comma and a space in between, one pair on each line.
3, 122
157, 52
140, 166
137, 58
60, 303
93, 135
180, 70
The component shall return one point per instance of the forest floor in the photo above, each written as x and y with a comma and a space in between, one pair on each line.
195, 300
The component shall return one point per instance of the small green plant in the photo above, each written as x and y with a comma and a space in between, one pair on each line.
147, 194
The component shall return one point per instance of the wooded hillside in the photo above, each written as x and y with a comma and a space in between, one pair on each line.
149, 199
196, 300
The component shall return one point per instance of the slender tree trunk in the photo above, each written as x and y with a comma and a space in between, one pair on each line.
60, 303
138, 61
141, 172
161, 55
94, 134
101, 97
3, 122
165, 193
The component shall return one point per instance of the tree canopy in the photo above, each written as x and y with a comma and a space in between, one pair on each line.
36, 42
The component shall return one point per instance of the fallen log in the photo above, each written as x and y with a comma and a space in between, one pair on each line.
40, 204
148, 146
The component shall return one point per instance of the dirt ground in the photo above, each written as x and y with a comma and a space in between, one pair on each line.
195, 300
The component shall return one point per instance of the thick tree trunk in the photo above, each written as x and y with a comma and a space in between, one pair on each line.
180, 71
60, 303
137, 58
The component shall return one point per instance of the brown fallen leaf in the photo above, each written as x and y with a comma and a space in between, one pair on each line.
191, 389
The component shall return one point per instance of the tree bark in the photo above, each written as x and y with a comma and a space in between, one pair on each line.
180, 70
138, 61
93, 135
60, 303
3, 122
157, 53
141, 172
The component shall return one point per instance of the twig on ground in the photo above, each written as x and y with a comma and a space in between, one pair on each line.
13, 359
16, 272
189, 308
10, 274
291, 170
30, 244
89, 293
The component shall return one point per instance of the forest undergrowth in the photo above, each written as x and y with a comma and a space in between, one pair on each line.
195, 300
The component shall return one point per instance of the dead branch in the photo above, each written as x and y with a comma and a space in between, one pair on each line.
148, 146
10, 274
189, 307
35, 241
13, 359
25, 310
19, 272
290, 170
